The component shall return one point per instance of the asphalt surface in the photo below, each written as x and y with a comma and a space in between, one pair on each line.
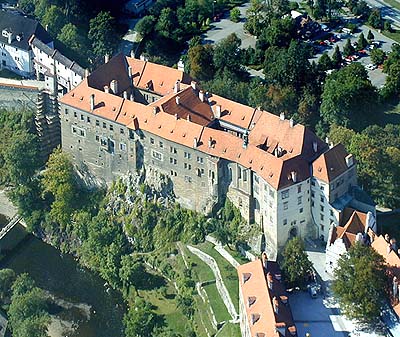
388, 12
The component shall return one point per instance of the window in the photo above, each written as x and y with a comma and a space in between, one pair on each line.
75, 114
285, 205
187, 166
313, 182
299, 189
322, 208
256, 179
173, 150
312, 203
188, 179
331, 212
82, 117
322, 227
161, 144
97, 122
97, 138
272, 193
312, 194
255, 189
322, 187
322, 217
200, 160
187, 155
121, 131
151, 140
88, 119
122, 146
82, 133
111, 127
73, 129
285, 194
301, 210
299, 200
322, 199
244, 175
66, 111
157, 155
104, 125
284, 222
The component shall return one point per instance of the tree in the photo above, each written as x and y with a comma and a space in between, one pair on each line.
54, 19
7, 278
145, 25
234, 14
348, 49
227, 54
167, 22
387, 26
337, 58
102, 34
200, 62
70, 36
370, 36
27, 6
375, 19
132, 272
362, 43
40, 8
377, 56
342, 94
360, 284
296, 265
140, 320
59, 182
325, 62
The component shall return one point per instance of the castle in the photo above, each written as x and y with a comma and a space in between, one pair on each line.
131, 114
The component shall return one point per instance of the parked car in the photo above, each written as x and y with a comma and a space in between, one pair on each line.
370, 66
314, 289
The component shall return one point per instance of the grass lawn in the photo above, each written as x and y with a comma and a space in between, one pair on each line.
200, 269
229, 330
237, 256
393, 3
389, 224
9, 74
228, 272
218, 306
395, 35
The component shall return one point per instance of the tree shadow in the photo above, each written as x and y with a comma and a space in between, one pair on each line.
151, 281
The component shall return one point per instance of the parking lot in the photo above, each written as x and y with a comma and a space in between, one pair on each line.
377, 77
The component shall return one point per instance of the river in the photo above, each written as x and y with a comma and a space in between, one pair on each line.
60, 275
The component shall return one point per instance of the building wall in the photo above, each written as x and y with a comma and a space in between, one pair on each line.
15, 59
244, 322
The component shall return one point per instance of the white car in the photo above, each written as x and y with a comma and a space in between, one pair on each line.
370, 66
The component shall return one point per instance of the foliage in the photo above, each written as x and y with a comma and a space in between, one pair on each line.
27, 312
325, 62
337, 58
200, 62
69, 35
140, 320
342, 94
7, 278
145, 25
296, 264
54, 19
102, 34
377, 56
362, 43
227, 54
392, 67
360, 283
348, 49
375, 19
234, 14
370, 36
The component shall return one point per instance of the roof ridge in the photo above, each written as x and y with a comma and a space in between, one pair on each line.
141, 74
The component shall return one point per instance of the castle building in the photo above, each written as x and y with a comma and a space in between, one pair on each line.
131, 115
263, 301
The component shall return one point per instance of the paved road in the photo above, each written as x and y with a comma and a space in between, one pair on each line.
376, 76
221, 29
388, 12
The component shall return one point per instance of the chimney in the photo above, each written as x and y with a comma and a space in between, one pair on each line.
188, 118
315, 146
177, 86
155, 110
201, 95
282, 116
132, 98
370, 222
177, 100
130, 72
387, 237
359, 237
125, 94
87, 73
294, 176
264, 259
217, 112
106, 58
92, 102
389, 248
176, 116
193, 84
132, 54
195, 142
349, 160
326, 140
291, 122
245, 140
210, 142
275, 302
114, 86
284, 299
270, 281
106, 89
10, 37
393, 244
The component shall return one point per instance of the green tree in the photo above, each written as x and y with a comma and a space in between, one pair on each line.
40, 8
387, 26
360, 284
362, 43
200, 62
337, 58
54, 19
377, 56
234, 14
342, 94
227, 54
348, 49
102, 34
59, 182
167, 22
145, 25
132, 272
375, 19
370, 36
69, 35
27, 6
7, 278
325, 62
296, 264
140, 320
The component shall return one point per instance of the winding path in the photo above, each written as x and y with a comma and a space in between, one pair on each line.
218, 280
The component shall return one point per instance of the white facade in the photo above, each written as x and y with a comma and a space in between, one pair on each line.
15, 59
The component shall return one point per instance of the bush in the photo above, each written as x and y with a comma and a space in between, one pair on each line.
235, 14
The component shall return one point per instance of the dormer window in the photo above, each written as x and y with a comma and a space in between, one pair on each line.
5, 33
246, 277
251, 300
255, 318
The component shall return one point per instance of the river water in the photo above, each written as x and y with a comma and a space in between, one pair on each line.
60, 275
